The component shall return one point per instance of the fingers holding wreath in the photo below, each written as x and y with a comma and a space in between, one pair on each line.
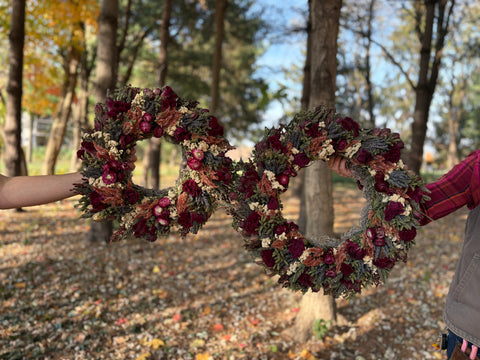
340, 166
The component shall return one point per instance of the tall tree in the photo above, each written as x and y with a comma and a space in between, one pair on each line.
151, 163
220, 7
105, 80
13, 123
431, 26
456, 99
318, 193
80, 118
64, 107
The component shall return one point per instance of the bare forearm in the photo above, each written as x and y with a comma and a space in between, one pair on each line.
23, 191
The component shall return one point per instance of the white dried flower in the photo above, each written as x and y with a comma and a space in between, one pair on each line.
266, 242
293, 268
352, 150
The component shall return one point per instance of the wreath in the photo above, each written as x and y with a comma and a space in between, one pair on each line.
366, 253
108, 151
250, 191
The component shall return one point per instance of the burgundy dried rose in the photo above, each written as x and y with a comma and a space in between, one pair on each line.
385, 132
191, 187
140, 228
96, 200
384, 263
347, 283
126, 140
408, 235
224, 175
268, 259
342, 144
169, 98
114, 164
252, 222
354, 250
215, 128
158, 132
305, 280
331, 273
164, 202
157, 210
349, 124
328, 257
108, 176
292, 226
280, 229
296, 247
301, 159
415, 194
363, 156
164, 221
346, 269
273, 204
283, 180
147, 117
185, 219
181, 134
380, 232
89, 147
393, 209
198, 218
275, 143
261, 146
312, 131
371, 233
393, 155
194, 164
131, 196
379, 242
98, 109
198, 154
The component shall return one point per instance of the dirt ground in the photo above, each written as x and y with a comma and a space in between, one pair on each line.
201, 297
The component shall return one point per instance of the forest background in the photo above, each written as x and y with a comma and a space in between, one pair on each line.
397, 64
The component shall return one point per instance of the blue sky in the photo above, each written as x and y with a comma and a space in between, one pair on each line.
281, 55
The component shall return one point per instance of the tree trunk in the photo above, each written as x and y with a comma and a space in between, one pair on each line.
153, 157
428, 74
106, 50
307, 78
64, 110
13, 120
106, 72
368, 67
220, 7
81, 115
318, 198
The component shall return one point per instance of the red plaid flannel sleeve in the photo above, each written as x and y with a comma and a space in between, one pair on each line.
459, 187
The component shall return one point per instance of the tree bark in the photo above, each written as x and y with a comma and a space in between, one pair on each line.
107, 60
106, 72
318, 198
307, 78
81, 115
220, 8
153, 157
13, 120
429, 68
64, 110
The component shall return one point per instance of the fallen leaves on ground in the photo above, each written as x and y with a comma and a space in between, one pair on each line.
200, 297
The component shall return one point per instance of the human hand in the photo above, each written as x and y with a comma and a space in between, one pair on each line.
339, 165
